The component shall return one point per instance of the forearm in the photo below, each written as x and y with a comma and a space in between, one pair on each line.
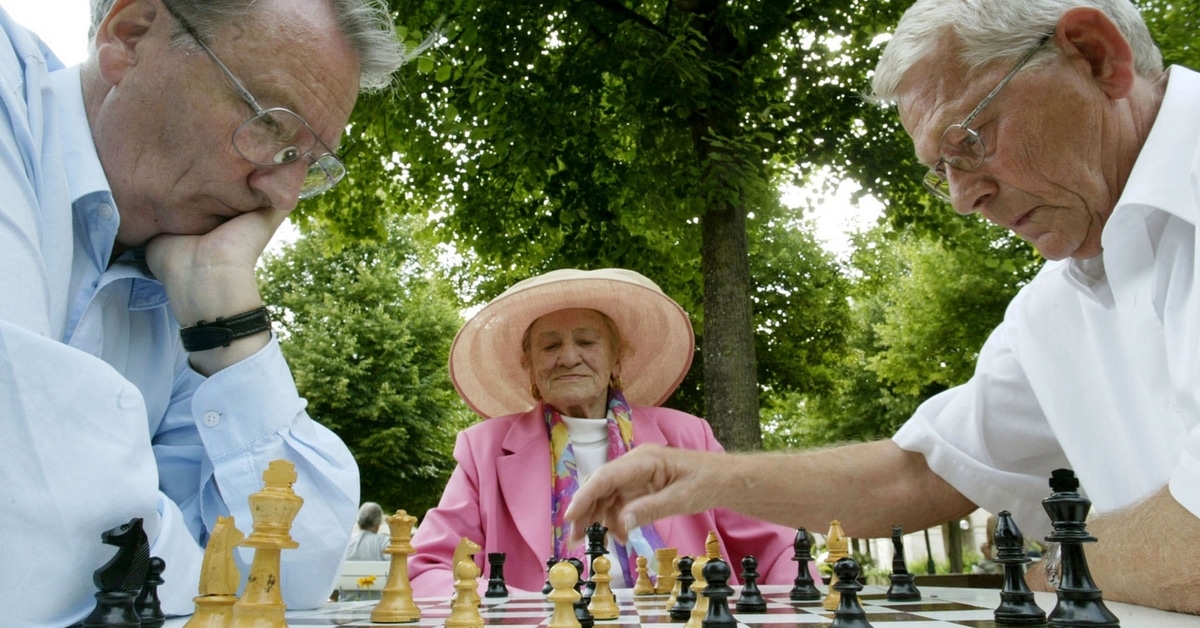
1147, 554
868, 487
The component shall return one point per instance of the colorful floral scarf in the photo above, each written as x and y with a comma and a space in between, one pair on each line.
564, 482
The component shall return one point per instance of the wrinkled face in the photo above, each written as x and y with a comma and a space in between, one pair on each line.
572, 355
1045, 175
164, 125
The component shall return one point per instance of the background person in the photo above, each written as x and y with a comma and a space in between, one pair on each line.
1055, 119
139, 190
366, 542
568, 368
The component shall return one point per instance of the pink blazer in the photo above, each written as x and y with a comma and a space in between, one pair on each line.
499, 497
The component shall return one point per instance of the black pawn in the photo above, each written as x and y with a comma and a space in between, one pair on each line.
121, 579
496, 585
550, 563
803, 587
148, 605
686, 600
1017, 606
597, 546
849, 612
751, 599
716, 577
1079, 601
586, 620
902, 587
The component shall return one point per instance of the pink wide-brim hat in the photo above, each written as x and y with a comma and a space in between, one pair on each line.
485, 359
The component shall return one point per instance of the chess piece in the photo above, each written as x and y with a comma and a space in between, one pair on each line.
838, 547
597, 536
1079, 601
849, 612
902, 588
582, 614
396, 600
717, 590
273, 510
466, 550
562, 578
549, 586
496, 585
219, 578
1017, 607
686, 598
604, 602
677, 587
803, 588
643, 586
700, 606
712, 546
121, 578
148, 605
665, 558
464, 609
751, 599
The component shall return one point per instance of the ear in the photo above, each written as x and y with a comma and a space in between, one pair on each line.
1088, 35
121, 32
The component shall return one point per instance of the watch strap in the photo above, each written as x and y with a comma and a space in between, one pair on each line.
222, 332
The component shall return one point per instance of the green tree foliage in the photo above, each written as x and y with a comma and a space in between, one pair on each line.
367, 330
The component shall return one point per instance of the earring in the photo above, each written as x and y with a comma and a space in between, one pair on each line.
534, 392
614, 382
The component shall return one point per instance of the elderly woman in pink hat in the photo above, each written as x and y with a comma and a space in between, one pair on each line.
569, 369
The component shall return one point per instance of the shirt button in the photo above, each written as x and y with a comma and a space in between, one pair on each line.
212, 419
105, 210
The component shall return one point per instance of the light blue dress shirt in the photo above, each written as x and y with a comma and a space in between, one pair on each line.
101, 418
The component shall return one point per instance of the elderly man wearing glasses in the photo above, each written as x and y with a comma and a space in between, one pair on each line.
139, 189
1055, 119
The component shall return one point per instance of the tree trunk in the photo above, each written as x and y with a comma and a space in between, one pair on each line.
730, 379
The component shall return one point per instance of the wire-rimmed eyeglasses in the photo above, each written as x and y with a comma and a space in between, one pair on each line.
276, 136
961, 147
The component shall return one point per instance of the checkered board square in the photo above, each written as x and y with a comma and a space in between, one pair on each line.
531, 611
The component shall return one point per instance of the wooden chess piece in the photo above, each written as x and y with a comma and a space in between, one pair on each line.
643, 586
717, 590
148, 604
497, 587
838, 547
1017, 605
902, 588
604, 602
273, 509
700, 607
712, 546
665, 557
597, 545
751, 599
563, 595
1079, 601
548, 587
803, 587
676, 586
464, 610
121, 578
219, 578
849, 612
685, 600
466, 550
582, 614
396, 600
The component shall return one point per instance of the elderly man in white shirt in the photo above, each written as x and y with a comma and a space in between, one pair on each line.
1055, 119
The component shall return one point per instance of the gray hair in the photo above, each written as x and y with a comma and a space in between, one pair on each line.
366, 25
993, 30
370, 515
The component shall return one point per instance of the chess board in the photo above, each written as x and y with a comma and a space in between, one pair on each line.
532, 611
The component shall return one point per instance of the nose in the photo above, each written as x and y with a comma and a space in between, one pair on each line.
970, 190
568, 354
280, 184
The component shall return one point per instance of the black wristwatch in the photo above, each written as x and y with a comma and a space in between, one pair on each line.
220, 333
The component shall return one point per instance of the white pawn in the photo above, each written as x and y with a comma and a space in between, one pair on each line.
643, 586
604, 603
464, 610
563, 595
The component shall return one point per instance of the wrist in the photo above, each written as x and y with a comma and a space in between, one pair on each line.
204, 335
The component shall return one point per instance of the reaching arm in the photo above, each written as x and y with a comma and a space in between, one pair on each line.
868, 487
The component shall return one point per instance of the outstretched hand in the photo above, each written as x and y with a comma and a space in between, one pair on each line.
648, 483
